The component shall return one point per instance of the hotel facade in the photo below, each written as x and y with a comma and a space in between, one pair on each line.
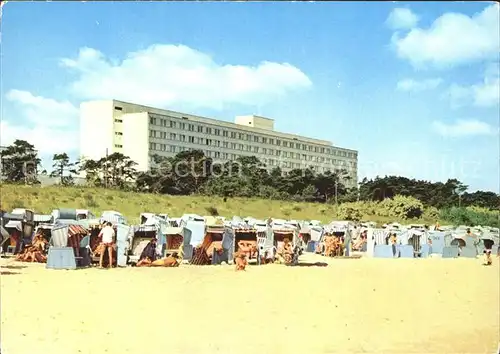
140, 132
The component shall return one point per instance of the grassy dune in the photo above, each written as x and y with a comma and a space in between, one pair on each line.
44, 199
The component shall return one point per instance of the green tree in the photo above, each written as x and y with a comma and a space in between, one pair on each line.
64, 169
20, 162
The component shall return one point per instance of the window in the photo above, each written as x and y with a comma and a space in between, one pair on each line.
191, 139
240, 146
278, 142
118, 146
118, 121
240, 136
217, 143
217, 131
256, 138
208, 130
209, 142
264, 140
217, 154
182, 137
173, 136
172, 148
271, 141
256, 149
315, 149
249, 148
191, 127
200, 129
225, 133
225, 144
163, 135
151, 133
173, 124
264, 151
118, 108
233, 135
322, 150
285, 144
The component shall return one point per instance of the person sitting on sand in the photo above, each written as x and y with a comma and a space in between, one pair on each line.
287, 251
360, 242
240, 261
148, 254
169, 261
35, 252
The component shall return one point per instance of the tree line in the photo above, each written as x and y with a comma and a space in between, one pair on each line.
191, 172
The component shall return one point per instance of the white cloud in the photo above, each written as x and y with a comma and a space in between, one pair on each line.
50, 125
401, 19
462, 128
452, 39
417, 86
162, 75
483, 94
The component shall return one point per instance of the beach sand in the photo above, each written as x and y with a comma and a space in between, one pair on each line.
349, 306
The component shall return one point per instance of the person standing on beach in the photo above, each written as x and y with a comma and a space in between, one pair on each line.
107, 236
488, 246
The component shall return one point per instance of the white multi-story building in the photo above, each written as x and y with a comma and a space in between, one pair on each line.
140, 132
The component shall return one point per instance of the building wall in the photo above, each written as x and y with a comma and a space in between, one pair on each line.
96, 129
136, 134
135, 138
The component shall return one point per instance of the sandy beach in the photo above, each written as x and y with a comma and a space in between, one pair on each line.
348, 306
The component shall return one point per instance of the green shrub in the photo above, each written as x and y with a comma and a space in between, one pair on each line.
211, 210
349, 211
431, 213
471, 216
402, 207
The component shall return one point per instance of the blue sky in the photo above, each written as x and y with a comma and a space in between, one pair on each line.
414, 87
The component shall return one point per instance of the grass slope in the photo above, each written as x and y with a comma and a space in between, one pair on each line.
44, 199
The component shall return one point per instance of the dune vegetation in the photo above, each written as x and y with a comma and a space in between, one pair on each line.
401, 209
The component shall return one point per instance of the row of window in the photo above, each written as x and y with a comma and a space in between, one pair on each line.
250, 149
156, 120
225, 144
228, 156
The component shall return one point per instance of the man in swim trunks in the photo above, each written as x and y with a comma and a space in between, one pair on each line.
107, 236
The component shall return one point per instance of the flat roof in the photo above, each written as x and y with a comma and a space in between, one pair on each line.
232, 125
